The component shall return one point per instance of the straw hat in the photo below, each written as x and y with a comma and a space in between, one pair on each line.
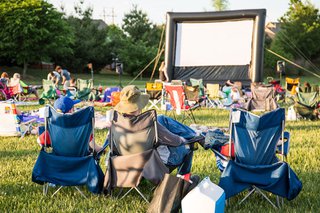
131, 100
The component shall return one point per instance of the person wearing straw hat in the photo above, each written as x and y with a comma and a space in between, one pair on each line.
172, 135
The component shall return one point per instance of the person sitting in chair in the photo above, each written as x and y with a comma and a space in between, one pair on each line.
64, 105
173, 137
25, 88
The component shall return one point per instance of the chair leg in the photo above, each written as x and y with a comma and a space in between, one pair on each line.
126, 193
279, 201
252, 190
140, 193
136, 188
80, 192
45, 189
56, 191
258, 190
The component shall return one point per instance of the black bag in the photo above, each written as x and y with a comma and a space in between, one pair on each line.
168, 194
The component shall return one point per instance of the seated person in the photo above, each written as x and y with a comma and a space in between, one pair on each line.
4, 78
24, 87
172, 135
64, 105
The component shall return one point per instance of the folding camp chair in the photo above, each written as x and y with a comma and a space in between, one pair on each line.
177, 97
68, 162
256, 166
263, 98
306, 104
18, 93
85, 90
49, 90
192, 94
133, 155
291, 85
154, 90
214, 96
198, 83
5, 91
11, 124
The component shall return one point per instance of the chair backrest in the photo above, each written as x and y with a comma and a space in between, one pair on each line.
84, 84
70, 132
292, 84
177, 96
47, 85
263, 98
133, 134
213, 90
256, 137
199, 83
15, 89
176, 82
192, 92
154, 89
309, 99
10, 124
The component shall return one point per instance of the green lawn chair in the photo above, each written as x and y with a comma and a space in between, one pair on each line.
306, 104
49, 91
86, 90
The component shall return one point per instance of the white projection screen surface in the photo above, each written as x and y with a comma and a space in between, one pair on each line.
214, 43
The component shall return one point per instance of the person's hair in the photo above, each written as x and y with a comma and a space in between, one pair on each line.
73, 80
306, 84
4, 75
57, 68
16, 75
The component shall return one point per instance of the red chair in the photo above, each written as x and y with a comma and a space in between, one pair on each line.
177, 97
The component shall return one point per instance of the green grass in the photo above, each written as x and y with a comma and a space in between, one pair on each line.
19, 194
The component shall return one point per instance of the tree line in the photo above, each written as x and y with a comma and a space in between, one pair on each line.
35, 31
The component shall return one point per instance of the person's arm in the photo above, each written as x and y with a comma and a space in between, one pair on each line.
63, 79
165, 137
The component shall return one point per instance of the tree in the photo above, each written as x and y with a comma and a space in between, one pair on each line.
141, 43
136, 24
220, 5
89, 41
299, 37
32, 30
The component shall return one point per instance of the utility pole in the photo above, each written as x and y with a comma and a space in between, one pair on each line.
104, 15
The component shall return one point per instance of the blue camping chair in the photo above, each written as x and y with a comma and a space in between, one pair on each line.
256, 166
69, 162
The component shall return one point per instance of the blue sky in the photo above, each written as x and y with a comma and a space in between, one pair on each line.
156, 9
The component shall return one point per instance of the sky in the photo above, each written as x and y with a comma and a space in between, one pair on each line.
112, 11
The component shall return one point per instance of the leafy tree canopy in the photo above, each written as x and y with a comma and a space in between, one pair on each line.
32, 30
299, 37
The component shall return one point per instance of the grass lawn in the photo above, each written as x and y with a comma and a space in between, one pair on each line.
19, 194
